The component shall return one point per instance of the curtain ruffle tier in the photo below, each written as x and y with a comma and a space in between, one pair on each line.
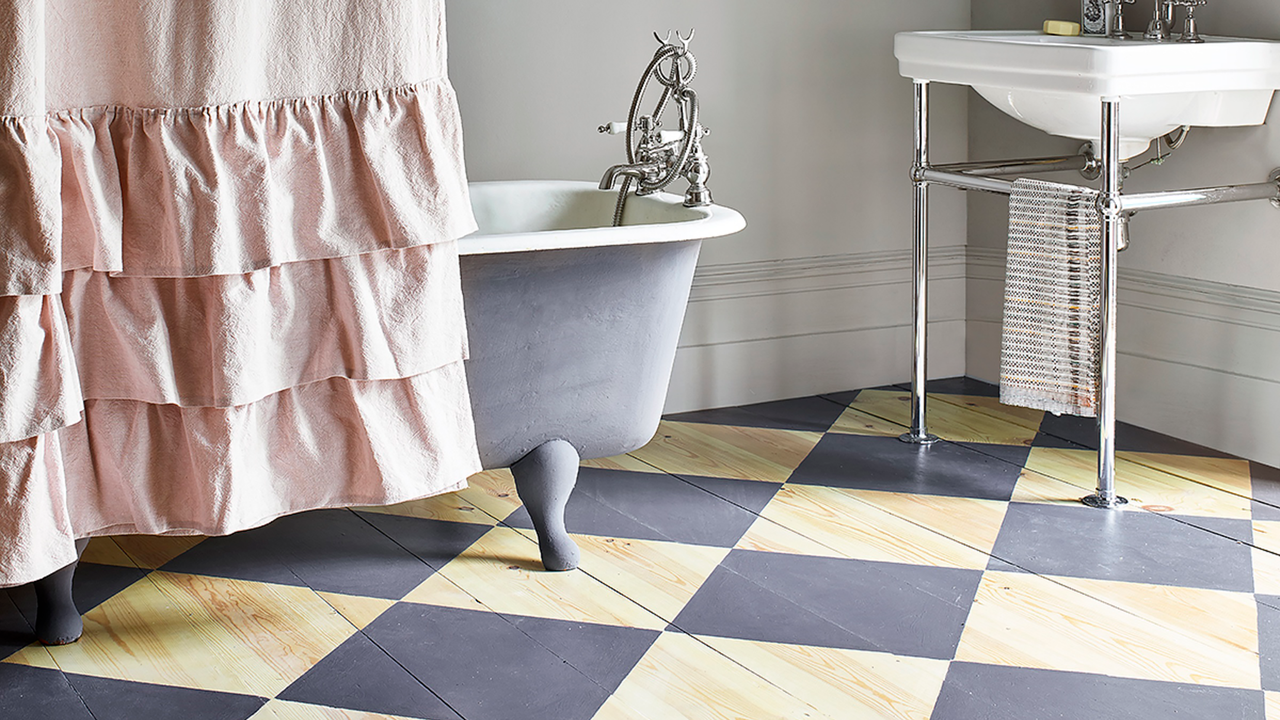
211, 317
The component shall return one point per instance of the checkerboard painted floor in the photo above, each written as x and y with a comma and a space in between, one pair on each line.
784, 560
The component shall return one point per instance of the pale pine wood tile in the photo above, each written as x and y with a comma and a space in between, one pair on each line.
1026, 418
1231, 475
489, 497
1273, 705
843, 683
960, 418
359, 611
285, 710
726, 451
502, 571
34, 655
767, 535
884, 526
208, 633
855, 422
1035, 487
1206, 617
973, 522
660, 576
104, 551
1266, 557
891, 405
1031, 621
439, 590
680, 677
153, 551
620, 462
1147, 487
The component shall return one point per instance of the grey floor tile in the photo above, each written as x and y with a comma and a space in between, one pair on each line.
111, 699
329, 550
655, 506
886, 463
814, 414
489, 667
992, 692
434, 542
1266, 491
958, 386
830, 602
358, 675
31, 692
1269, 640
1125, 545
1130, 438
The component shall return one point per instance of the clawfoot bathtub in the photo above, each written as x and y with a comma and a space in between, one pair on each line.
573, 327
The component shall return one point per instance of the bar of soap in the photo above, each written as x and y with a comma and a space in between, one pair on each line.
1061, 27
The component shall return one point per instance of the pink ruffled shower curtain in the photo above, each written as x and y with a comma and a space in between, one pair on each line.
229, 284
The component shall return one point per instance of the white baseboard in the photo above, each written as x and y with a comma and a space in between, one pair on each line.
760, 331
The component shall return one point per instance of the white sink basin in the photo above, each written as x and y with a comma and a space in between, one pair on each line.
1056, 83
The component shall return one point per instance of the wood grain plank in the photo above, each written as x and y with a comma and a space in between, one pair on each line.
959, 418
1151, 488
153, 551
620, 462
856, 422
104, 551
502, 571
843, 683
359, 611
680, 677
727, 451
208, 633
1026, 620
883, 526
660, 576
1266, 557
489, 497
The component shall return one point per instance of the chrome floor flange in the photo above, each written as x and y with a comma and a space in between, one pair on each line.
1114, 207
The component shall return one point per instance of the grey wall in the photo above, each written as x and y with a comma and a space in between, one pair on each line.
1199, 316
811, 141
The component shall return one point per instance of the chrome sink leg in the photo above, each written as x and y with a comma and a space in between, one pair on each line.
1109, 205
920, 265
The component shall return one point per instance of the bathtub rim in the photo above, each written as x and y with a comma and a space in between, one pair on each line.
711, 221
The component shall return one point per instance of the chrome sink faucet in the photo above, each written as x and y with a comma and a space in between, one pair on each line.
1161, 27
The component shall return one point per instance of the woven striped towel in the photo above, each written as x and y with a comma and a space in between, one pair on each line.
1049, 351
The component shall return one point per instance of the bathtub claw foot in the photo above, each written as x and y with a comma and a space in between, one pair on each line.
544, 479
58, 621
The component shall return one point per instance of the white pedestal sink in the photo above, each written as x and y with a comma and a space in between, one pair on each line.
1056, 83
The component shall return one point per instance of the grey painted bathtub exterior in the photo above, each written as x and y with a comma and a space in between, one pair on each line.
572, 347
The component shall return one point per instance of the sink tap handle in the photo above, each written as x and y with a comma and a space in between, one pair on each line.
1190, 31
1114, 10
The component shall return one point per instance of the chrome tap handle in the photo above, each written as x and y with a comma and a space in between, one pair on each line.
1190, 30
1114, 10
